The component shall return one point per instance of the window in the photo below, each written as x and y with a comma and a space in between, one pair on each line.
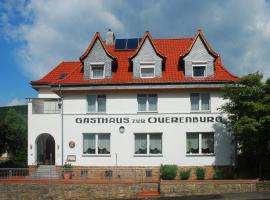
148, 143
199, 70
147, 70
200, 102
96, 143
147, 102
97, 71
96, 103
200, 143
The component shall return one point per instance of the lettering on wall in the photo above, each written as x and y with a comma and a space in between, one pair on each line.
150, 120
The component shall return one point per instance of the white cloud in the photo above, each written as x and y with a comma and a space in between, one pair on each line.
16, 102
55, 30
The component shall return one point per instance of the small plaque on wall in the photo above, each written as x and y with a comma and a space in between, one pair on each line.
71, 158
71, 144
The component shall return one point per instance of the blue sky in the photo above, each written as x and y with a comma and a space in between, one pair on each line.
37, 35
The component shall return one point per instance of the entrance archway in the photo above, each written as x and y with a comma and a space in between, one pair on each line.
45, 146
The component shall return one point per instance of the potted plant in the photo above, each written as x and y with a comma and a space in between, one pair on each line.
67, 171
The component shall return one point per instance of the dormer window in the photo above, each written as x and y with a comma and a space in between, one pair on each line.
97, 71
147, 70
199, 70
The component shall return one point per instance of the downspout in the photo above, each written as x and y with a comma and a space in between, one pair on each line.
62, 124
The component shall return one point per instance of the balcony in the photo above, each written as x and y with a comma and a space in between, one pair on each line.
46, 106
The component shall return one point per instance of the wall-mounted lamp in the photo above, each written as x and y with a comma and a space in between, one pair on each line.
121, 129
30, 146
58, 147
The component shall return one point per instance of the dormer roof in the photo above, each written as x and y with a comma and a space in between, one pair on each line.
87, 51
200, 35
172, 49
148, 36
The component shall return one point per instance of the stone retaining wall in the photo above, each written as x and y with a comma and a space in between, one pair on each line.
186, 188
80, 189
72, 191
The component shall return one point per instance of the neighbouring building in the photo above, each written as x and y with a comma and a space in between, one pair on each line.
138, 102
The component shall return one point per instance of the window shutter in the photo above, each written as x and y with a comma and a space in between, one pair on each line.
141, 102
205, 101
86, 71
91, 100
152, 100
101, 103
188, 68
194, 99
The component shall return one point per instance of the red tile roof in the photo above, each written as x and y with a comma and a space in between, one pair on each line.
172, 50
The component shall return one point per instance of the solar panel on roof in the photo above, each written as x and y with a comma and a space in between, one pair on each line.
120, 43
126, 44
132, 43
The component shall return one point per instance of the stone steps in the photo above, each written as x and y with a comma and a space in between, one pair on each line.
46, 172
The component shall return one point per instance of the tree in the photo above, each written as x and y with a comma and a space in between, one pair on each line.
248, 111
13, 134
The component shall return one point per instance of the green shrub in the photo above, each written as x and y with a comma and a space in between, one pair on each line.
184, 174
168, 172
200, 173
219, 174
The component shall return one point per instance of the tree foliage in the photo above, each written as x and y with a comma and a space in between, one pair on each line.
13, 134
248, 110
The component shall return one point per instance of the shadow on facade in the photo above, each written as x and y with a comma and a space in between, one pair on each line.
225, 152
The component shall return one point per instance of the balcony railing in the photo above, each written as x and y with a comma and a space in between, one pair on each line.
45, 106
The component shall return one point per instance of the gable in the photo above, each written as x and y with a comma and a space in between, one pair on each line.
147, 53
97, 55
199, 52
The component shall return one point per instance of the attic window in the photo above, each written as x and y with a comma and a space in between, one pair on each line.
62, 76
199, 70
147, 70
97, 71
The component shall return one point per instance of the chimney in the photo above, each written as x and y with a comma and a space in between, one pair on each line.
110, 37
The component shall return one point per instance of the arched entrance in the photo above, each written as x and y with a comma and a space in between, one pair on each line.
45, 146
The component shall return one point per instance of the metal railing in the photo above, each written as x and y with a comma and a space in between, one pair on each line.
13, 173
45, 106
91, 174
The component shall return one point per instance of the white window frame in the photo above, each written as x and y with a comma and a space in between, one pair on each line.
147, 104
200, 102
200, 144
96, 104
96, 145
199, 64
147, 65
97, 64
148, 154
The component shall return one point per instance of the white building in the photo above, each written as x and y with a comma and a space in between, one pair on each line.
132, 102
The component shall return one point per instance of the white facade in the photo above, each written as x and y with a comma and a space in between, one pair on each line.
167, 115
124, 105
